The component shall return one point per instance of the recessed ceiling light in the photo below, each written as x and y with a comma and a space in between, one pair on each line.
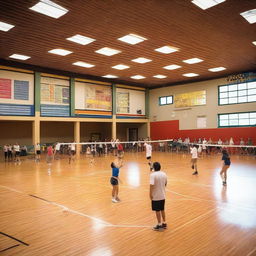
192, 61
205, 4
5, 26
254, 42
107, 51
84, 40
167, 49
61, 52
83, 64
110, 76
190, 74
141, 60
160, 76
138, 77
216, 69
132, 39
49, 8
250, 16
19, 57
172, 67
120, 67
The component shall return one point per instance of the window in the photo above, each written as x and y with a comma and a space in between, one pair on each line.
165, 100
237, 93
237, 119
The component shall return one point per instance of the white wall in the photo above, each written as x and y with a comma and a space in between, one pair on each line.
18, 76
136, 100
188, 118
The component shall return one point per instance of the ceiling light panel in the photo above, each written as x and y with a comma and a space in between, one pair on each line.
216, 69
192, 61
250, 16
61, 52
167, 49
5, 26
107, 51
120, 67
49, 8
83, 64
254, 42
110, 76
160, 76
19, 57
132, 39
205, 4
79, 39
138, 77
141, 60
190, 75
172, 67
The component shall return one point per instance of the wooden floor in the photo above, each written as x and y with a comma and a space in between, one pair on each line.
204, 218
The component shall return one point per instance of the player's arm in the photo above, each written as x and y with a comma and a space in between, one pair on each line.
151, 191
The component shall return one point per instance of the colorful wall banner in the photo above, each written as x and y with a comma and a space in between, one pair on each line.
190, 99
21, 90
5, 88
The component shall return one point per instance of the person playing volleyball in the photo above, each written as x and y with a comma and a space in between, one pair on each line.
114, 180
226, 165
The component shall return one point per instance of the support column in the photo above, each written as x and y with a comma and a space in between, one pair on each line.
148, 128
114, 127
37, 86
77, 137
36, 131
72, 96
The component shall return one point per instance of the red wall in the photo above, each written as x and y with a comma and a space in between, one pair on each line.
170, 129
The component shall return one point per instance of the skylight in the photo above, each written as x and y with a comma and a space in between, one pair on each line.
192, 61
216, 69
160, 76
172, 67
132, 39
141, 60
167, 49
19, 57
110, 76
190, 75
79, 39
205, 4
61, 52
5, 26
83, 64
138, 77
250, 16
120, 67
49, 8
107, 51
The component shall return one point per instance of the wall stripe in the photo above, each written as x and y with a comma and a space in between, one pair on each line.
54, 110
16, 110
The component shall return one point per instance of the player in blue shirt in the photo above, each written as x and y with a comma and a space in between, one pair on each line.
114, 180
226, 165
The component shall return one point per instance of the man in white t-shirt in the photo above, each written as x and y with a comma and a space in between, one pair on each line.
16, 148
158, 182
149, 154
194, 154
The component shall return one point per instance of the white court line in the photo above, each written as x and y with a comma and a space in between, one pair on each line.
251, 252
12, 189
193, 220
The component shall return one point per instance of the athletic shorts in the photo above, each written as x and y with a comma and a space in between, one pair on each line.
158, 205
5, 154
17, 153
113, 181
148, 157
38, 152
194, 160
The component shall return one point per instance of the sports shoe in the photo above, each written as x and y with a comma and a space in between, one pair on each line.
114, 200
158, 228
195, 173
164, 225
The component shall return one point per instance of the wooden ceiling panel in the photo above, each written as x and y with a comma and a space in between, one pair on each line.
218, 35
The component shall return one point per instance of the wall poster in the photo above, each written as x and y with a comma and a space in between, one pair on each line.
190, 99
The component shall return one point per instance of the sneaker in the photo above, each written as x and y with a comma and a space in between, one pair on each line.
158, 228
164, 225
195, 173
114, 200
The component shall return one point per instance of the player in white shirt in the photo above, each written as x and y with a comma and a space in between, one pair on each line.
72, 152
158, 182
38, 151
16, 148
194, 154
57, 151
148, 154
